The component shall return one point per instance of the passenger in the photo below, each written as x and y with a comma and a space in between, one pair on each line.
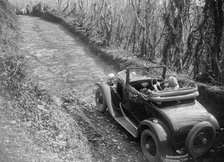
172, 83
144, 90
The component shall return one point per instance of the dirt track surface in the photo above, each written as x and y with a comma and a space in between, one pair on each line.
67, 69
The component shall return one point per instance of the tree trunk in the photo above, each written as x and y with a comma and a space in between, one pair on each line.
216, 8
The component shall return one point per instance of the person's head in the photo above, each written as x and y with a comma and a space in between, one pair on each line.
172, 81
110, 77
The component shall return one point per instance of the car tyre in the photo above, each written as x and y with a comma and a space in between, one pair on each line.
150, 145
100, 100
202, 135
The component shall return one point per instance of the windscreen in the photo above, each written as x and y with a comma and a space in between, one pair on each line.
144, 73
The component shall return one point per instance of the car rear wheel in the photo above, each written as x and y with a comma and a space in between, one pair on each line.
100, 100
150, 145
200, 139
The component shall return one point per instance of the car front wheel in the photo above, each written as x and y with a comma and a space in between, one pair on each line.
100, 100
150, 145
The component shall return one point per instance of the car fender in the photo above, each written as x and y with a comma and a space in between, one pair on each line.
214, 121
162, 132
107, 96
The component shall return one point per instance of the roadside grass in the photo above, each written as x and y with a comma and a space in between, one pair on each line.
50, 127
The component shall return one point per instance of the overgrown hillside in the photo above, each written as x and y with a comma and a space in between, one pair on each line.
8, 24
12, 63
48, 125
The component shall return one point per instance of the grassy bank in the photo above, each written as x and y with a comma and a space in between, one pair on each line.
50, 128
212, 97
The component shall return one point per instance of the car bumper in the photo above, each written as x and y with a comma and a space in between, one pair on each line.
177, 158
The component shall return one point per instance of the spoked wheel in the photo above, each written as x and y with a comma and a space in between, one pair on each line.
200, 139
100, 100
150, 146
157, 83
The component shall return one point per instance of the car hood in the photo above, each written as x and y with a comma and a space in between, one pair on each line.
183, 117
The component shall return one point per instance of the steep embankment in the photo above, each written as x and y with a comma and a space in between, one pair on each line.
212, 97
32, 125
11, 62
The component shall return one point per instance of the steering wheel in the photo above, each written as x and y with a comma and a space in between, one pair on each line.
156, 83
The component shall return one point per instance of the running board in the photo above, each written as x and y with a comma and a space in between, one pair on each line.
128, 125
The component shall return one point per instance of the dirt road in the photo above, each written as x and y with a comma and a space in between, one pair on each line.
67, 69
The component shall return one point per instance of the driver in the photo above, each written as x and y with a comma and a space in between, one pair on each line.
111, 79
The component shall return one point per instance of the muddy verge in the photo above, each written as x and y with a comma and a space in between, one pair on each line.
212, 97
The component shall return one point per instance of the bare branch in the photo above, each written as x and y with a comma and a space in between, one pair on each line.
136, 15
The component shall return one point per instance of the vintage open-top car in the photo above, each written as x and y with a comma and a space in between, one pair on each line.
171, 124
